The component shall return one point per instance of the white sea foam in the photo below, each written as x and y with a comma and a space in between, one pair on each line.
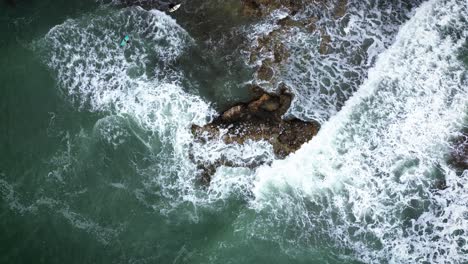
368, 171
138, 82
8, 194
323, 82
373, 167
103, 234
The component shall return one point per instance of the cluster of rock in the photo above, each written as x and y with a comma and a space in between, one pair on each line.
263, 8
262, 117
259, 119
272, 43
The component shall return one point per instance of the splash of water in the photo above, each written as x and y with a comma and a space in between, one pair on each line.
323, 81
372, 169
140, 83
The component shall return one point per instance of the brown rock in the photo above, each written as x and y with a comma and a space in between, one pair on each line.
265, 73
251, 8
271, 105
459, 153
325, 43
257, 120
234, 113
289, 22
340, 9
261, 118
280, 53
256, 104
310, 24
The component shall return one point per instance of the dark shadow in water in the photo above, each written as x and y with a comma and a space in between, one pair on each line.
213, 67
11, 3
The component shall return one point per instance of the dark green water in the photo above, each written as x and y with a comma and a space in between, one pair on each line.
57, 204
99, 171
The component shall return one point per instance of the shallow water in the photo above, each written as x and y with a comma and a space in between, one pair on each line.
95, 138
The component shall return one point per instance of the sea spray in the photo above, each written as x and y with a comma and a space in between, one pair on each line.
139, 84
362, 189
326, 59
371, 169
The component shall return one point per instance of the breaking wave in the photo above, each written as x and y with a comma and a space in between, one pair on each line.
374, 180
371, 179
140, 88
325, 65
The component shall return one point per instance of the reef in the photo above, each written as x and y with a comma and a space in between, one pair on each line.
263, 118
259, 119
269, 51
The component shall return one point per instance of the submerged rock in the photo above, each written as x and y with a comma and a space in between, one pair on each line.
259, 119
265, 7
340, 9
268, 53
459, 154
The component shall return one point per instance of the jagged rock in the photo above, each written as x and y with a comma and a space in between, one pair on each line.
325, 43
265, 73
251, 8
289, 22
280, 53
271, 105
234, 113
256, 104
340, 8
272, 43
259, 119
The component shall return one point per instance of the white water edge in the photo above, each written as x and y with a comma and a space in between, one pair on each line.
323, 81
372, 162
376, 159
98, 75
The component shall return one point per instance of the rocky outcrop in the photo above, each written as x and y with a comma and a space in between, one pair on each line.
262, 8
269, 52
259, 119
265, 7
458, 160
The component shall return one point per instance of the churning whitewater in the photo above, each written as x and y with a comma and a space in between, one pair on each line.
374, 186
140, 84
325, 76
371, 170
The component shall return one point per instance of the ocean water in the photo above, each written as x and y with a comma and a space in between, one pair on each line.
97, 157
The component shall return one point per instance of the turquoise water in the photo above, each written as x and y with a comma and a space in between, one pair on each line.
95, 140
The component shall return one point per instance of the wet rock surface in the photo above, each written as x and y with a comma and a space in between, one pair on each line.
259, 119
269, 53
265, 7
459, 153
